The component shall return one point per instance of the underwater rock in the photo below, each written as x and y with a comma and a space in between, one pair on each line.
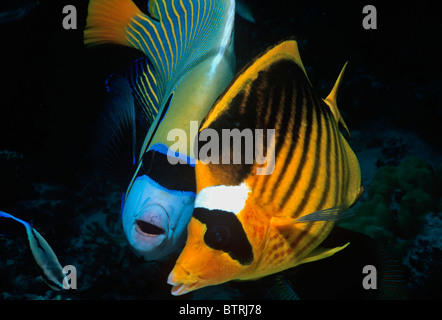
397, 200
424, 259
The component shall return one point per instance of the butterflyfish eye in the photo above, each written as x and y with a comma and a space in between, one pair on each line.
218, 237
225, 232
149, 228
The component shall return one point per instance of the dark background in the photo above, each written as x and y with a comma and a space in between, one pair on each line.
52, 86
52, 91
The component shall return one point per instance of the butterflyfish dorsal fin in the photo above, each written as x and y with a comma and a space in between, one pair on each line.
285, 50
332, 99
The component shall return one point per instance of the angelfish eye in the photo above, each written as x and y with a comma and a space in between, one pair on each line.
218, 237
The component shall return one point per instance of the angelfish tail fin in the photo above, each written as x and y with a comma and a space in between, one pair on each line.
107, 21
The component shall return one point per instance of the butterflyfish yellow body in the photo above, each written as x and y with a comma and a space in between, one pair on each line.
247, 225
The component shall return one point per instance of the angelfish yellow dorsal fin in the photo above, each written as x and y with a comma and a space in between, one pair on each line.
332, 98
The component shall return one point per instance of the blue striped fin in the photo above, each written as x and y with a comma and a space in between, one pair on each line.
186, 31
146, 90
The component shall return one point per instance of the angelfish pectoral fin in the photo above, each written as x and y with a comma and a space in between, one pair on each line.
44, 257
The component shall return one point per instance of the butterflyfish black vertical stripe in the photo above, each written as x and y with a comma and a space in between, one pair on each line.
326, 117
345, 166
282, 124
278, 125
338, 159
263, 114
305, 147
312, 180
316, 159
327, 159
278, 104
296, 115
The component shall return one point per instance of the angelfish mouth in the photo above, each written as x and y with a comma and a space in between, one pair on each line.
148, 229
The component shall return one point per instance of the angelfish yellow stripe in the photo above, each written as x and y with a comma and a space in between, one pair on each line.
206, 21
166, 35
198, 17
191, 23
152, 76
140, 46
147, 109
179, 27
185, 25
174, 38
152, 91
153, 43
131, 35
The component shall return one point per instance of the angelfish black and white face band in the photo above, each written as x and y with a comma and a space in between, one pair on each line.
156, 165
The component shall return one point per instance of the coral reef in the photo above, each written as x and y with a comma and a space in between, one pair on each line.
398, 199
424, 259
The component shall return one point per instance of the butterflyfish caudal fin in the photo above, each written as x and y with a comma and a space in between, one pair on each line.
332, 99
44, 257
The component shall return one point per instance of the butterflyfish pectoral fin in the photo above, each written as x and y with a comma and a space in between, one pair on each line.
332, 99
322, 253
44, 257
329, 215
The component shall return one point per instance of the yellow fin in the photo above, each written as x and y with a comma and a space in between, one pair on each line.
332, 98
287, 49
321, 253
107, 20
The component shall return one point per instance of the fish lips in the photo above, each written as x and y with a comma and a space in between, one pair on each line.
150, 228
182, 281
